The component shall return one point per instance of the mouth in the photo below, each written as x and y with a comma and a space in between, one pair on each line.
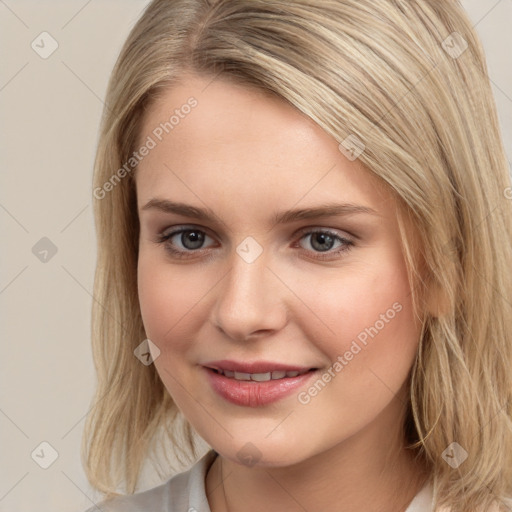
261, 377
265, 384
256, 383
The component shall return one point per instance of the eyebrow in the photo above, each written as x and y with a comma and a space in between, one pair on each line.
206, 214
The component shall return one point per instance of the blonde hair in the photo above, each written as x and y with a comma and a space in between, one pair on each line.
407, 80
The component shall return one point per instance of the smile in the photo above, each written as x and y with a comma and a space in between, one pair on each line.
259, 377
257, 389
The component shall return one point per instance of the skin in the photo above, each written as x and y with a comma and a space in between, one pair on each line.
247, 155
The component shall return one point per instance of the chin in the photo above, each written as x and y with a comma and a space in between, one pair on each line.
262, 453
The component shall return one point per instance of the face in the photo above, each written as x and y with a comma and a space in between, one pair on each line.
327, 295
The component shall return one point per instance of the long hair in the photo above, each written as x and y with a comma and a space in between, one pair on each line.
405, 84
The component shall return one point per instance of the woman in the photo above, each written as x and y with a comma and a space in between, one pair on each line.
303, 253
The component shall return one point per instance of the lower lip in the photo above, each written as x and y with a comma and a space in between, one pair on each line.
252, 393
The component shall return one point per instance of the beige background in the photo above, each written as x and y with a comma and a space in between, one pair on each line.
50, 111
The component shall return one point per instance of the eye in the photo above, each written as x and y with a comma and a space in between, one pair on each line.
323, 240
192, 239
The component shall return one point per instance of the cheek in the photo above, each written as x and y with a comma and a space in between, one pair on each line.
366, 315
171, 301
167, 301
156, 297
371, 343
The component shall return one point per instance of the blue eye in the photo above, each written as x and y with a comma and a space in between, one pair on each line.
323, 240
192, 240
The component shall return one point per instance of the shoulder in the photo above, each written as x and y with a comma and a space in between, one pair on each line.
184, 492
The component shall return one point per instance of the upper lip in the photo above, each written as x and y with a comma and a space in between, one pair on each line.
254, 367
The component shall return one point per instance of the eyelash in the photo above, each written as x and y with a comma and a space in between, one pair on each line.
164, 238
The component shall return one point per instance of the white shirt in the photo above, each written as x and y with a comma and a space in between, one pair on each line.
186, 492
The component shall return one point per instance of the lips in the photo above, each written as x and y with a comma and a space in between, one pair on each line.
256, 367
259, 377
258, 383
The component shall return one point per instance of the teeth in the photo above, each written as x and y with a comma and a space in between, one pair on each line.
242, 376
260, 377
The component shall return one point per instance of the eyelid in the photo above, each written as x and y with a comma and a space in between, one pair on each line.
174, 230
342, 233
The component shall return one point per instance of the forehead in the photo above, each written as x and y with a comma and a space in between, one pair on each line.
224, 114
242, 142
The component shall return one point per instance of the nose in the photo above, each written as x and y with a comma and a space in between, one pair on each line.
250, 300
